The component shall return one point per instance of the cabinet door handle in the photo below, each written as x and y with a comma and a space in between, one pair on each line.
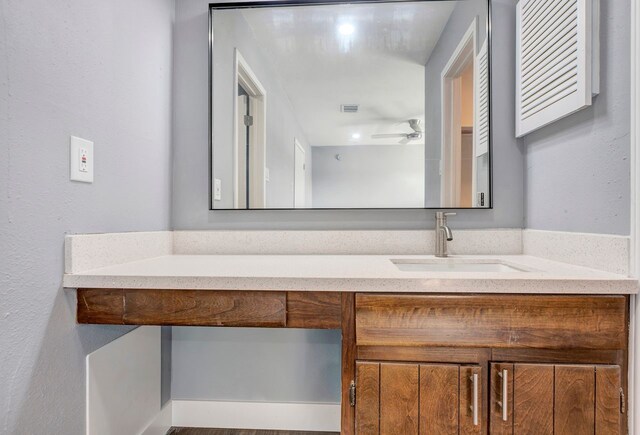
474, 406
505, 394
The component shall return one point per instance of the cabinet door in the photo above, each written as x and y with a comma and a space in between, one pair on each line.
439, 399
420, 399
539, 399
399, 398
367, 398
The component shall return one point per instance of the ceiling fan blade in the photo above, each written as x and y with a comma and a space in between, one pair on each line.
386, 136
416, 125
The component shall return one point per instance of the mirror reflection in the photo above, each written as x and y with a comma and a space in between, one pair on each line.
371, 105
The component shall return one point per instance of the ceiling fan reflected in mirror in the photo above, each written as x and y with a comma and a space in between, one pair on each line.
405, 137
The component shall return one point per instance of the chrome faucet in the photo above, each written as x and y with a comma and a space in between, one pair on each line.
443, 233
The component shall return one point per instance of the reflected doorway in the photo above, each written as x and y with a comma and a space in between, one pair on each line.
250, 137
458, 188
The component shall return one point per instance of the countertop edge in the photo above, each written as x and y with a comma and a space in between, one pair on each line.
365, 285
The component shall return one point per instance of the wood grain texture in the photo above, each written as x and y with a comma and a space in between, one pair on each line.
574, 402
100, 306
347, 417
368, 398
439, 401
608, 416
424, 354
205, 308
466, 426
498, 425
399, 400
533, 399
314, 310
497, 321
557, 356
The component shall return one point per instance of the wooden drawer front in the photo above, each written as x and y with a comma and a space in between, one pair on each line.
497, 321
315, 310
183, 307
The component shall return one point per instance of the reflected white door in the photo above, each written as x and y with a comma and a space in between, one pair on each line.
299, 183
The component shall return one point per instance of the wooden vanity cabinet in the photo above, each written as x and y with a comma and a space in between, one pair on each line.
421, 399
544, 365
547, 399
431, 364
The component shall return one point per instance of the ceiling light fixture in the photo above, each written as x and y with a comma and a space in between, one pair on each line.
355, 136
346, 29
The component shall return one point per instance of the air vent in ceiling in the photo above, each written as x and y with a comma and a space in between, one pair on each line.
349, 108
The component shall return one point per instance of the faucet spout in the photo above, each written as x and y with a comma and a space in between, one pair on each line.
447, 232
443, 233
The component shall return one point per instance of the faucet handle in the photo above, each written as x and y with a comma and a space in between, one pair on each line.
443, 215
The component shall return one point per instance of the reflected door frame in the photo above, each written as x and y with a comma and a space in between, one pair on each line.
245, 77
450, 152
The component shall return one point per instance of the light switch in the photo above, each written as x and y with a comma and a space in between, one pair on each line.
81, 160
217, 189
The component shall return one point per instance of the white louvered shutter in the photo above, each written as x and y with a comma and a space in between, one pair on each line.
554, 61
482, 101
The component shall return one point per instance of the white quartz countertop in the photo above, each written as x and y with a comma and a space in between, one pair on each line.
358, 273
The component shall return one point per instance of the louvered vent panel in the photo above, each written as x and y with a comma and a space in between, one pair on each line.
554, 61
482, 101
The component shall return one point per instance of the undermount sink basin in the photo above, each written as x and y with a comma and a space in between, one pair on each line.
455, 265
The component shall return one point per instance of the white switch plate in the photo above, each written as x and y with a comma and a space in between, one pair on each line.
267, 175
217, 189
81, 160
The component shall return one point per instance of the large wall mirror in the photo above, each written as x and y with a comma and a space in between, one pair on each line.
335, 105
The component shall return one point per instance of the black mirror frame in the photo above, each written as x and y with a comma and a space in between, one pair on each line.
289, 3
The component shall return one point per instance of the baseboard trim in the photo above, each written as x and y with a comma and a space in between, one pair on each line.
162, 422
321, 417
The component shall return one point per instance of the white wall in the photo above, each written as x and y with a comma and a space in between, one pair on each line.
369, 176
578, 168
100, 70
231, 32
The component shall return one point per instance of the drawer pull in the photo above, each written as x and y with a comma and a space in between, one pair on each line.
474, 406
505, 394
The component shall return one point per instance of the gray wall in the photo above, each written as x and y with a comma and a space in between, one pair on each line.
100, 70
578, 168
231, 32
191, 183
282, 365
190, 211
371, 176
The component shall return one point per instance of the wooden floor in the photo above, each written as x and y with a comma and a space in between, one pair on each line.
199, 431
